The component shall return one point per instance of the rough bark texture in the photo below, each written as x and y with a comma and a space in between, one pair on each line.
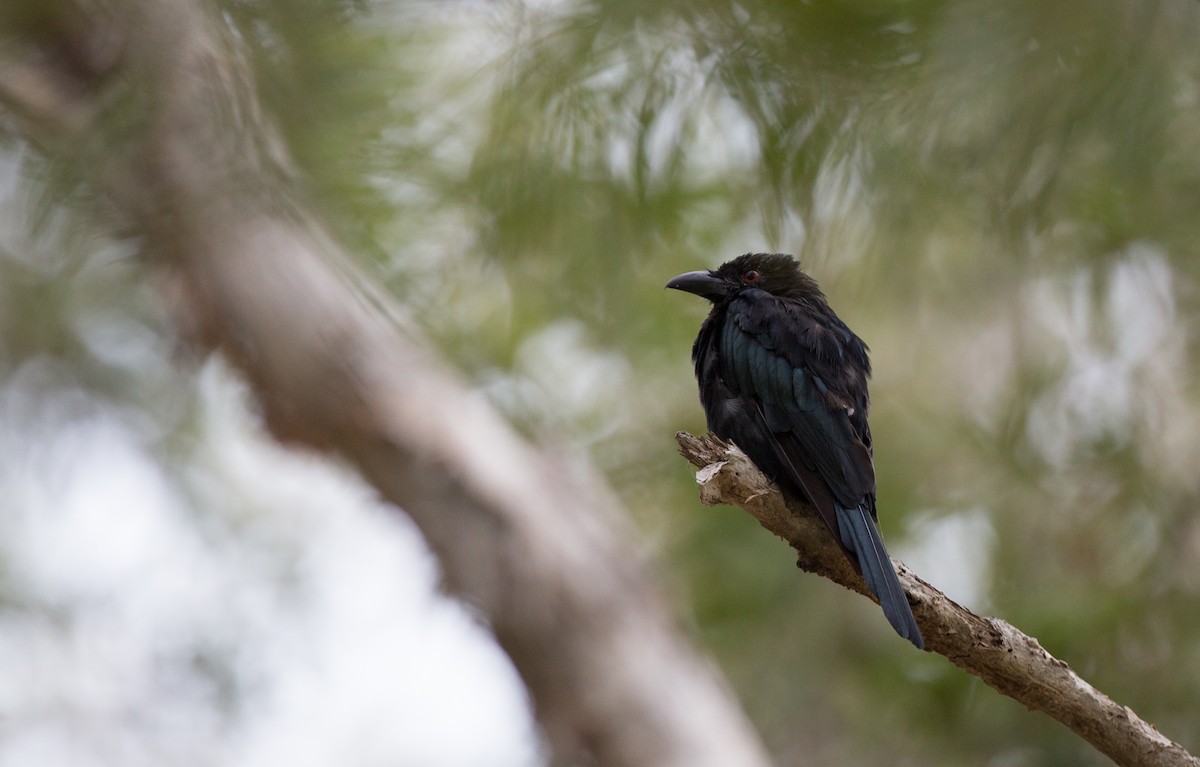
539, 546
1009, 661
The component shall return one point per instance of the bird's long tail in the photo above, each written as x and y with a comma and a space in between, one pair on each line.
860, 534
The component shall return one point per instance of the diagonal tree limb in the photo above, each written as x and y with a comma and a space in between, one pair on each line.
539, 546
1012, 663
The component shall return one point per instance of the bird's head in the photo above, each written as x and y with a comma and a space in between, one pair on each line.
776, 273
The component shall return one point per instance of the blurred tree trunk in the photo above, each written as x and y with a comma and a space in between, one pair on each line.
540, 547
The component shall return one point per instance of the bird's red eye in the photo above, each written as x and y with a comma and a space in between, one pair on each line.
750, 276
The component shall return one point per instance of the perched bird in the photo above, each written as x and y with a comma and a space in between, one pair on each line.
784, 379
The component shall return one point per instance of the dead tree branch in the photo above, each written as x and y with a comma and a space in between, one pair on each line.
1012, 663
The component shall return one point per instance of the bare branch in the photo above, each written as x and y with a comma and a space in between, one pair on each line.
1009, 661
539, 546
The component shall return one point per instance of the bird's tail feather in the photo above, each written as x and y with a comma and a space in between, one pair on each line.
860, 534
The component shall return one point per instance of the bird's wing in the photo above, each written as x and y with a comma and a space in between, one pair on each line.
795, 380
813, 439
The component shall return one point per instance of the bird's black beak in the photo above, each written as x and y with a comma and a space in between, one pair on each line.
704, 284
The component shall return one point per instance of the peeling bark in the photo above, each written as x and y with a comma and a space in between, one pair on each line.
1009, 661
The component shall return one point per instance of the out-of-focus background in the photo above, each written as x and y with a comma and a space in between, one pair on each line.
1002, 198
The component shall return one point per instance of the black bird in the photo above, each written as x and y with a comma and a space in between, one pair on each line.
784, 379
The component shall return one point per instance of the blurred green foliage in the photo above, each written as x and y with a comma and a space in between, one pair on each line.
1000, 197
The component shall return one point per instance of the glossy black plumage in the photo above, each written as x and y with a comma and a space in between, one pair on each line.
783, 378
